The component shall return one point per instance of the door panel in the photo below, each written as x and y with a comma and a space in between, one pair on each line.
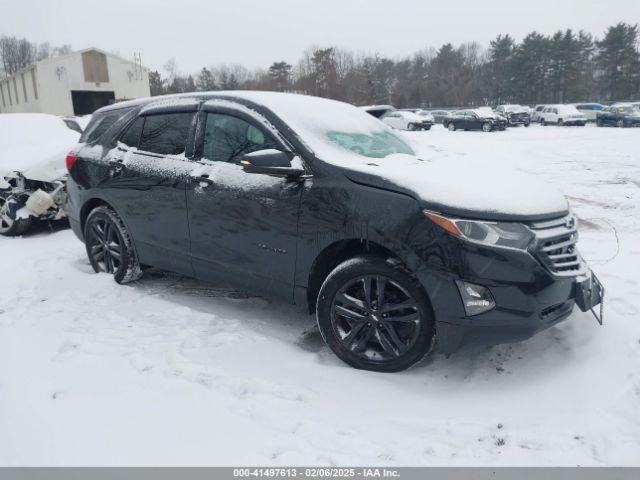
148, 188
151, 194
243, 225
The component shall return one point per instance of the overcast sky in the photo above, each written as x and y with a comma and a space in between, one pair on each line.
257, 32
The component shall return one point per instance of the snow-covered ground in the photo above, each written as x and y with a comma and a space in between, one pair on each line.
170, 371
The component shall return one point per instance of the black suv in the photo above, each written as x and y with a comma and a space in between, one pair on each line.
318, 203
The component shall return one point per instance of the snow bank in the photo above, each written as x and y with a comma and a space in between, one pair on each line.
34, 144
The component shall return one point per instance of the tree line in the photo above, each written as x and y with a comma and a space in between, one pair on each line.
19, 53
564, 67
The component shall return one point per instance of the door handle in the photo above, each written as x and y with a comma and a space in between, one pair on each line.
203, 179
116, 165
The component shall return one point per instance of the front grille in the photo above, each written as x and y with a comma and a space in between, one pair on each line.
556, 246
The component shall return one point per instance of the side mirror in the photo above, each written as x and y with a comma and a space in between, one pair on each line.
272, 162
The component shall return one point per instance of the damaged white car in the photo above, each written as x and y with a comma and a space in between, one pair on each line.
33, 148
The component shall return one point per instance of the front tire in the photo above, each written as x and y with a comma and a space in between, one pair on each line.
487, 127
374, 314
451, 127
620, 123
10, 227
599, 123
109, 246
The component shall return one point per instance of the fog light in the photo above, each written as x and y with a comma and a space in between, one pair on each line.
475, 298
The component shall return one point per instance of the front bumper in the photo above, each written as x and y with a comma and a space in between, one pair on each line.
529, 296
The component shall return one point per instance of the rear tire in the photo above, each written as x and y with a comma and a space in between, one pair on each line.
9, 227
109, 246
374, 314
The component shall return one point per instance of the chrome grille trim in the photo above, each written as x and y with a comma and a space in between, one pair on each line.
555, 246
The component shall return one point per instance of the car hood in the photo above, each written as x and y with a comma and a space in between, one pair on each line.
47, 168
461, 188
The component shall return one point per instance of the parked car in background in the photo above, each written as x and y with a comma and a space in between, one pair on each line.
560, 115
407, 120
32, 169
427, 116
536, 113
378, 111
590, 110
474, 120
489, 113
182, 185
439, 116
619, 115
515, 114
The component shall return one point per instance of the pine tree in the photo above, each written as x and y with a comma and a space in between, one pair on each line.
618, 62
280, 74
205, 81
500, 68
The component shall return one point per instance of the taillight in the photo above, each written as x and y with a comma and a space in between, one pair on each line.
71, 160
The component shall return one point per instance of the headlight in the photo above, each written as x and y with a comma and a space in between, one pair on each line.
501, 234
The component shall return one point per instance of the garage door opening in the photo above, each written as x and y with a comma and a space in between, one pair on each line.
85, 102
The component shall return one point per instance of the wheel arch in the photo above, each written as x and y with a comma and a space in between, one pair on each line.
334, 254
90, 205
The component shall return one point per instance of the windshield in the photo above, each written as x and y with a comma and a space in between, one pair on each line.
374, 145
629, 110
334, 131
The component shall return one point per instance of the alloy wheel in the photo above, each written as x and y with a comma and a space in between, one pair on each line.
105, 246
375, 318
620, 123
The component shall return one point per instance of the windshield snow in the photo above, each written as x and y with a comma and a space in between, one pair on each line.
375, 145
329, 127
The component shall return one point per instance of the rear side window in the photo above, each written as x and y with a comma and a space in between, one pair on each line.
166, 134
226, 138
100, 124
132, 136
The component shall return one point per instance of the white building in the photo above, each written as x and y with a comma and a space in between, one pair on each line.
74, 84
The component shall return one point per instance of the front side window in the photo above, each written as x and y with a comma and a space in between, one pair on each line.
227, 138
166, 134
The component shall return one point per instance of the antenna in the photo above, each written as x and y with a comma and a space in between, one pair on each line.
137, 61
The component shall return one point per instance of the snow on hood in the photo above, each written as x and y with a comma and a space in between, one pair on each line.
35, 145
465, 187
